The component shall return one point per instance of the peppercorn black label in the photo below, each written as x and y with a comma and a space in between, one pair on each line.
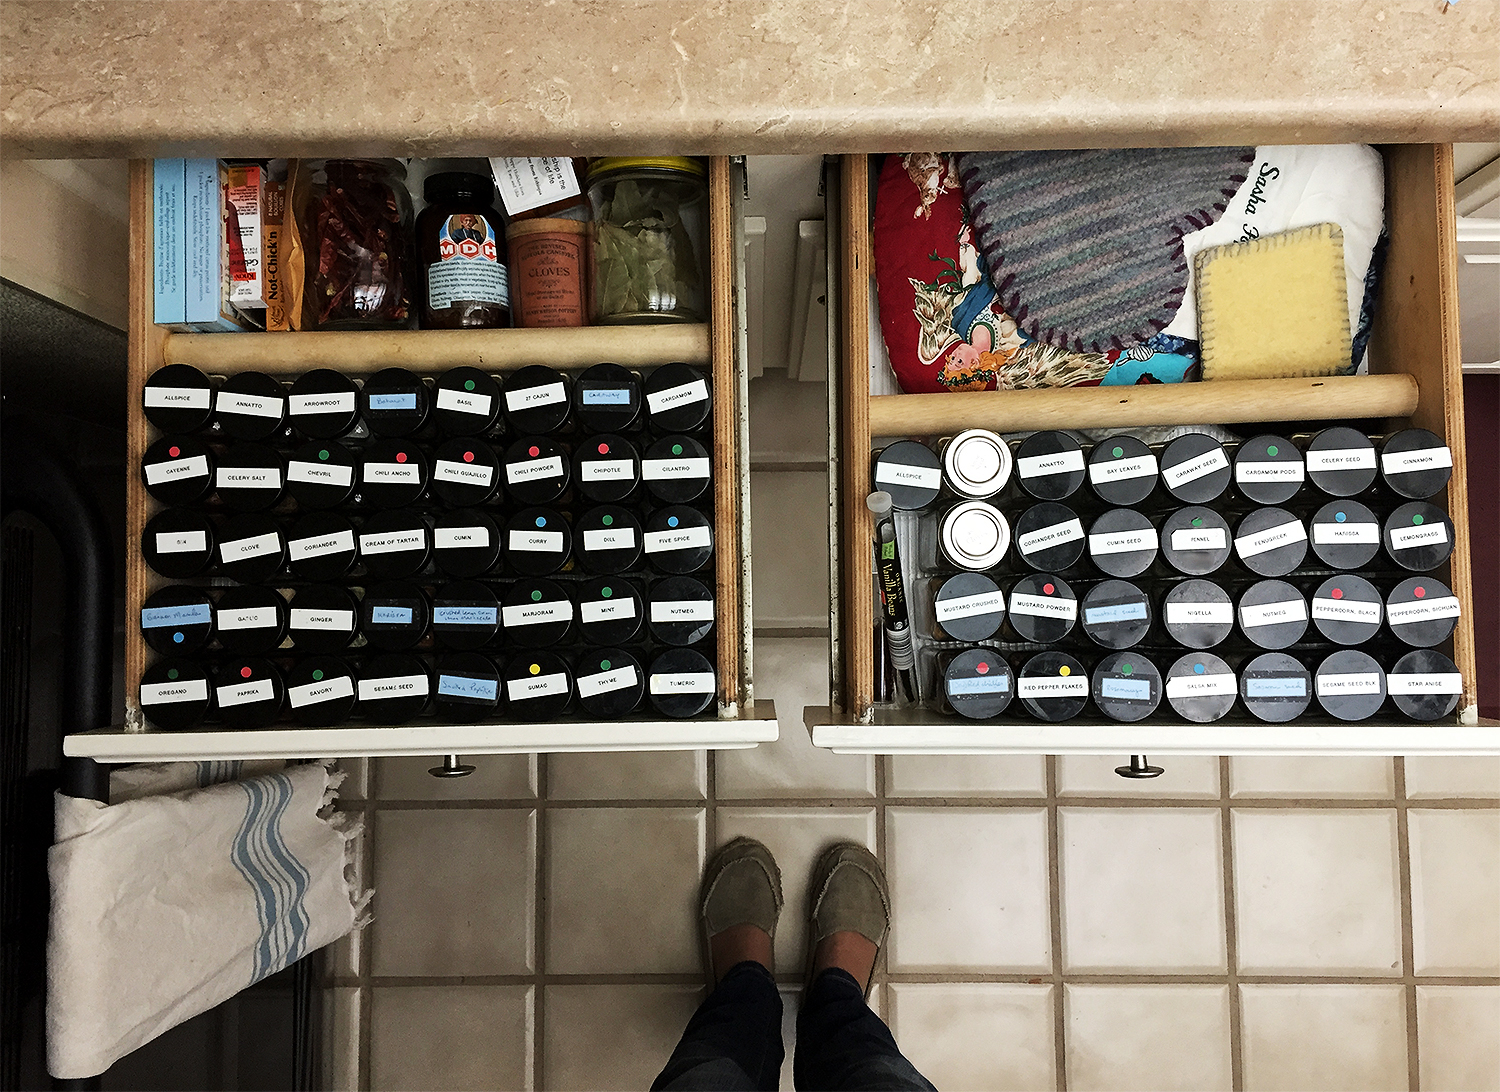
1345, 610
468, 268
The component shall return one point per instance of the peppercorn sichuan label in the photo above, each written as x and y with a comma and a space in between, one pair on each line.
468, 268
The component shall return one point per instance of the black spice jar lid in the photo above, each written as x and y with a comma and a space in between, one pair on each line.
682, 683
1195, 541
465, 614
392, 473
977, 464
1198, 613
678, 539
465, 543
978, 683
467, 402
177, 620
394, 688
394, 402
465, 472
537, 541
320, 474
681, 610
536, 612
320, 546
1049, 537
249, 692
609, 682
178, 543
968, 607
1350, 685
1275, 687
1268, 469
323, 404
250, 477
1053, 686
1425, 685
1043, 608
677, 398
1116, 614
1126, 686
178, 398
394, 545
910, 472
468, 687
607, 398
537, 470
177, 470
538, 686
1345, 534
1195, 468
1341, 461
608, 539
1418, 536
1416, 463
1201, 687
320, 691
175, 694
322, 618
610, 610
251, 406
252, 548
607, 468
394, 615
1272, 614
1122, 470
1422, 612
536, 400
1270, 541
1347, 609
676, 469
1050, 465
1123, 543
250, 620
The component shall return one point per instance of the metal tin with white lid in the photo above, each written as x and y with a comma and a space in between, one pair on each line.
976, 463
975, 535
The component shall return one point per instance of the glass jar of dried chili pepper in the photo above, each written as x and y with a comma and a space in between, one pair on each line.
359, 223
461, 248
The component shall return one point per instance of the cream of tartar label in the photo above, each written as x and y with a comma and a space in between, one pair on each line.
655, 470
340, 686
1123, 542
917, 477
1042, 466
1198, 686
334, 621
534, 470
1336, 534
682, 610
1044, 538
392, 542
607, 610
965, 606
251, 405
337, 543
1406, 538
1273, 614
1199, 538
1272, 538
1353, 682
395, 686
534, 614
249, 618
1434, 682
334, 402
181, 542
1343, 458
1193, 469
176, 398
1269, 472
683, 538
245, 693
1212, 614
165, 693
681, 395
194, 466
1345, 610
606, 470
392, 474
463, 401
242, 477
1409, 462
1043, 606
319, 473
621, 678
1118, 470
536, 686
1422, 610
460, 538
537, 542
1053, 686
240, 548
450, 470
613, 538
683, 682
531, 397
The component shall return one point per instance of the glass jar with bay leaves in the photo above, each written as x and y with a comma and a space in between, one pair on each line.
648, 261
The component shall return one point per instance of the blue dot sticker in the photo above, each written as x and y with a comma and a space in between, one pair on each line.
671, 521
1340, 517
541, 521
1197, 669
178, 637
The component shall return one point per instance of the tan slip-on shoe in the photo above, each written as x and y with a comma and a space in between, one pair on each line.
848, 894
741, 886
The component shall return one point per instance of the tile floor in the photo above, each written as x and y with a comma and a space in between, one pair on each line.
1257, 923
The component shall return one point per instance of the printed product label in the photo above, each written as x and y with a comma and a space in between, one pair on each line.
535, 470
1044, 538
463, 402
1194, 469
531, 614
250, 618
1422, 610
1115, 612
1118, 470
919, 477
530, 397
684, 538
337, 402
339, 686
616, 538
167, 692
1125, 689
460, 538
1354, 682
606, 396
250, 405
1269, 472
390, 616
334, 621
245, 693
468, 266
1042, 466
319, 473
1348, 458
1053, 687
620, 679
536, 686
195, 466
1405, 538
998, 683
392, 474
682, 610
1286, 686
966, 606
1187, 614
241, 548
1198, 538
449, 470
190, 614
181, 542
404, 400
607, 610
397, 686
391, 542
1273, 614
682, 395
176, 398
1407, 462
685, 682
1196, 686
337, 543
529, 182
537, 542
1446, 682
1346, 610
464, 616
1272, 538
1327, 534
1123, 542
465, 686
1044, 606
661, 469
610, 470
235, 477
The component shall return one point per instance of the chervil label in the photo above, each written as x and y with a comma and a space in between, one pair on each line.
1199, 538
529, 397
250, 618
1409, 462
195, 466
1194, 469
249, 404
682, 610
1330, 534
607, 470
1118, 470
1269, 472
335, 621
1197, 686
1444, 682
665, 469
461, 538
339, 686
181, 542
684, 538
535, 470
1123, 542
1405, 538
1042, 466
1272, 538
1186, 614
240, 548
1422, 610
391, 542
168, 692
1345, 610
392, 474
176, 398
614, 538
607, 610
1354, 682
397, 686
537, 542
1053, 687
1045, 538
532, 614
237, 477
319, 473
696, 391
463, 402
1349, 458
448, 470
919, 477
337, 543
965, 606
1273, 614
1044, 606
536, 686
602, 683
336, 402
245, 693
686, 682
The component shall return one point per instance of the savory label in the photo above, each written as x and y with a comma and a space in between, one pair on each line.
330, 689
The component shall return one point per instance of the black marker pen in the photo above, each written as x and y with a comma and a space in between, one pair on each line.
893, 595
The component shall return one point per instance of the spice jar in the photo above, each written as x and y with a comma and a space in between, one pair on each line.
358, 222
647, 262
465, 268
550, 257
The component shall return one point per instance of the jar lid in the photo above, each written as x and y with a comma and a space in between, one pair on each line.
1198, 613
394, 616
969, 607
1350, 685
910, 472
251, 406
320, 691
465, 472
1421, 611
975, 535
177, 620
537, 541
609, 682
467, 401
320, 546
681, 610
394, 544
178, 543
611, 164
1126, 687
249, 693
1043, 608
1116, 614
249, 477
1416, 463
177, 470
1201, 687
676, 469
1273, 614
1275, 687
1050, 465
1195, 540
252, 547
323, 404
607, 398
977, 463
468, 686
1123, 542
1341, 461
320, 474
1418, 536
1053, 686
175, 694
682, 683
178, 398
1122, 470
610, 610
1270, 541
1268, 469
1345, 534
323, 618
978, 683
465, 614
1049, 536
536, 613
465, 542
458, 186
606, 467
1425, 685
1195, 469
1347, 609
393, 473
537, 470
394, 688
608, 538
678, 539
538, 685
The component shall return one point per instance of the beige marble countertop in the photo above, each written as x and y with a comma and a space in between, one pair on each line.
401, 77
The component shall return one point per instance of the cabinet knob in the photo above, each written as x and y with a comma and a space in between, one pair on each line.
1138, 769
453, 766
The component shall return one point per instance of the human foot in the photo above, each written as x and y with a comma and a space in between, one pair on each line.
849, 911
738, 907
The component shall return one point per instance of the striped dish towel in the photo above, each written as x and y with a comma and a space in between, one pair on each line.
165, 905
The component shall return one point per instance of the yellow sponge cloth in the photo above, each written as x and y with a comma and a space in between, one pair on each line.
1275, 306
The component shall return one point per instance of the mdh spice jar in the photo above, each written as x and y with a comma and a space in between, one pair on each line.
464, 263
648, 258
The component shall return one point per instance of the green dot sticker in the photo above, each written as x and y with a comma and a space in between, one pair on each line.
1272, 450
323, 454
606, 592
536, 597
1197, 521
317, 675
468, 384
603, 665
172, 673
676, 449
1417, 519
1127, 670
608, 521
1117, 452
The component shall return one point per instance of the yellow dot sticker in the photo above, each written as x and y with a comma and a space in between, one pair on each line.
1065, 670
536, 669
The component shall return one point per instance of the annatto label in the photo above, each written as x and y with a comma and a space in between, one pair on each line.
1043, 466
250, 405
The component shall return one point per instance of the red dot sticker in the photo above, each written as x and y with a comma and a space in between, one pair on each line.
603, 449
401, 456
1337, 593
468, 456
982, 667
1048, 589
533, 451
174, 451
245, 672
1419, 591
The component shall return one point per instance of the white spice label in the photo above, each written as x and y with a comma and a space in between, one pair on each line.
1193, 469
1123, 542
245, 693
1345, 458
534, 614
240, 548
241, 477
682, 395
319, 473
682, 610
1044, 538
1405, 538
966, 606
1422, 610
181, 542
1044, 606
1199, 538
606, 470
195, 466
463, 401
602, 683
607, 610
251, 405
396, 686
615, 538
450, 470
531, 397
1273, 614
1272, 538
249, 618
529, 182
537, 542
684, 538
1334, 534
1409, 462
1197, 686
1443, 682
392, 542
918, 477
654, 470
333, 621
1211, 614
536, 686
1053, 687
167, 692
684, 682
535, 470
1042, 466
1345, 610
337, 543
1119, 470
177, 397
1354, 682
335, 402
460, 538
1269, 472
392, 474
340, 686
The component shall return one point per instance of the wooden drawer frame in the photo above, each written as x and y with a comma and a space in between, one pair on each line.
1414, 346
738, 720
